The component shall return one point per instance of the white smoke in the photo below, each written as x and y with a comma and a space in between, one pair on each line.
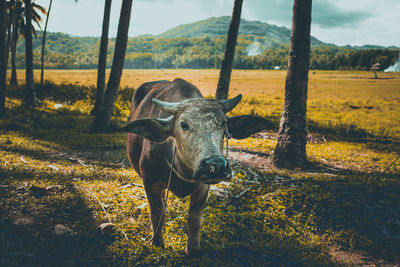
395, 67
254, 49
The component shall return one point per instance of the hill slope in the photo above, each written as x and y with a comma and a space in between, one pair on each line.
202, 45
219, 26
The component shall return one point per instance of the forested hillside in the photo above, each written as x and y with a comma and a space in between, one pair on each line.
219, 26
201, 45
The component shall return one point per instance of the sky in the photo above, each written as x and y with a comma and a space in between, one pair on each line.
341, 22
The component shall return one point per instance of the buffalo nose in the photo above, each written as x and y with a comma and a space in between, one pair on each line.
215, 166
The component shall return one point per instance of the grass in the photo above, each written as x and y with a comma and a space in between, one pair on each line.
343, 210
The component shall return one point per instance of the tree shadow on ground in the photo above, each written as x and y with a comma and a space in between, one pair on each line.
106, 158
365, 217
63, 127
54, 229
357, 213
29, 218
351, 133
361, 210
357, 210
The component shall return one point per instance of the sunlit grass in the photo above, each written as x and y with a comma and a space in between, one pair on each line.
344, 101
349, 198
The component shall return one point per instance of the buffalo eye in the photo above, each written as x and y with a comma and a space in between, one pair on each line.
184, 126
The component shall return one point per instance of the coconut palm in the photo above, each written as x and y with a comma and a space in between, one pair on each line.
102, 119
290, 151
101, 68
44, 42
12, 35
15, 25
3, 14
29, 88
19, 29
227, 62
36, 12
9, 18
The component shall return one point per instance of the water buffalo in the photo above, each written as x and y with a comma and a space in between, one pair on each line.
174, 115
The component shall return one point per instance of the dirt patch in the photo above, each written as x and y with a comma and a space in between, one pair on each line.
257, 160
342, 256
23, 220
311, 138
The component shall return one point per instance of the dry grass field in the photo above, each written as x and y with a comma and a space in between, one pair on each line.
346, 100
59, 183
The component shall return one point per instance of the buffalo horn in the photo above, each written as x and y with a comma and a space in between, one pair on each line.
170, 107
228, 105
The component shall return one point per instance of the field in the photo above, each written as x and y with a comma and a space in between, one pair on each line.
59, 183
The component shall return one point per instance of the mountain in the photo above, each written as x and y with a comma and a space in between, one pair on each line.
201, 45
219, 26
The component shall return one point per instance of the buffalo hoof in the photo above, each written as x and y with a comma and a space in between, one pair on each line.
158, 242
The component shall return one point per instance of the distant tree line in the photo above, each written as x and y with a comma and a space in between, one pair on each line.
65, 52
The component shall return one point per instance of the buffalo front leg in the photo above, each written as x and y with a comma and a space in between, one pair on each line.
195, 216
155, 195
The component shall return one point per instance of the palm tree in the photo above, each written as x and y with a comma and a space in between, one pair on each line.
35, 17
19, 28
102, 119
9, 19
101, 68
30, 91
18, 18
11, 37
43, 43
290, 151
227, 62
3, 14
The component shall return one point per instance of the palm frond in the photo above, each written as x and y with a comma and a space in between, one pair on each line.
34, 31
40, 8
37, 21
36, 16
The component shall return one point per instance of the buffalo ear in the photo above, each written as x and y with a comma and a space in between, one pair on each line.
156, 130
241, 127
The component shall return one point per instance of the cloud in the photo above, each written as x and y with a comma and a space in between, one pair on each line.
328, 15
156, 1
355, 22
324, 13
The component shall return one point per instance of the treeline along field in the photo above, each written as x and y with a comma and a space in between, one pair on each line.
148, 52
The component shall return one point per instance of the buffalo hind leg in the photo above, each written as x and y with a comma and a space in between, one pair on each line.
195, 216
155, 196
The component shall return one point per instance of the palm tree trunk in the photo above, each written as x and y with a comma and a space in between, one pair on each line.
290, 151
102, 64
102, 119
43, 43
9, 20
3, 9
30, 94
10, 40
14, 81
227, 62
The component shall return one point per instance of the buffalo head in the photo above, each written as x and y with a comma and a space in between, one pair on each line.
198, 126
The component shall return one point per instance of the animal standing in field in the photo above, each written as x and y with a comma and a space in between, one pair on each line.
172, 126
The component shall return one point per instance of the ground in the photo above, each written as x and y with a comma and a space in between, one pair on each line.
58, 183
